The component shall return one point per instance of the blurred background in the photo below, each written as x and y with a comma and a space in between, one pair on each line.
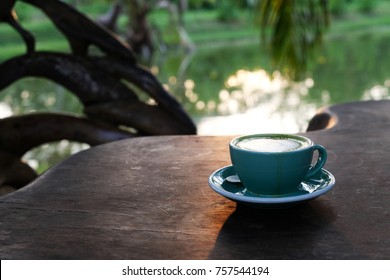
217, 57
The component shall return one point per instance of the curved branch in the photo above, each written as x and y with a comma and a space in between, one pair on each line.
22, 133
93, 85
146, 118
19, 134
110, 19
146, 81
6, 7
7, 14
81, 31
14, 173
78, 74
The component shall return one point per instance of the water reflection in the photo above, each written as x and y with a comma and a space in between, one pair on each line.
256, 102
227, 93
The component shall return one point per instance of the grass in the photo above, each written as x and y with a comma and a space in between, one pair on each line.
354, 21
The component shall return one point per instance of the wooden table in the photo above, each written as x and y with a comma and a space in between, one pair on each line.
148, 198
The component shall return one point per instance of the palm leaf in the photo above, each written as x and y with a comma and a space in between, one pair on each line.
291, 31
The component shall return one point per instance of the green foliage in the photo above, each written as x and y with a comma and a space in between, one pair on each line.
337, 7
367, 6
228, 10
201, 4
291, 31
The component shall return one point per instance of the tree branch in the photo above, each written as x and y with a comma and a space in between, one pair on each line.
19, 134
100, 82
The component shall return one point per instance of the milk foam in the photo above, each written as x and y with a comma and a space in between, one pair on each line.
270, 144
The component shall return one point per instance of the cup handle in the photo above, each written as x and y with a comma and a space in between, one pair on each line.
322, 156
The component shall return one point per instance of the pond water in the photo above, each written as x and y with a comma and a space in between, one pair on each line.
228, 90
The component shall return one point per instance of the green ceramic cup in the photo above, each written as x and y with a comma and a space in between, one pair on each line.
275, 164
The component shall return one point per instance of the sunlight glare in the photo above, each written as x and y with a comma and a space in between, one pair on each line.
377, 92
25, 94
189, 84
5, 110
255, 102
